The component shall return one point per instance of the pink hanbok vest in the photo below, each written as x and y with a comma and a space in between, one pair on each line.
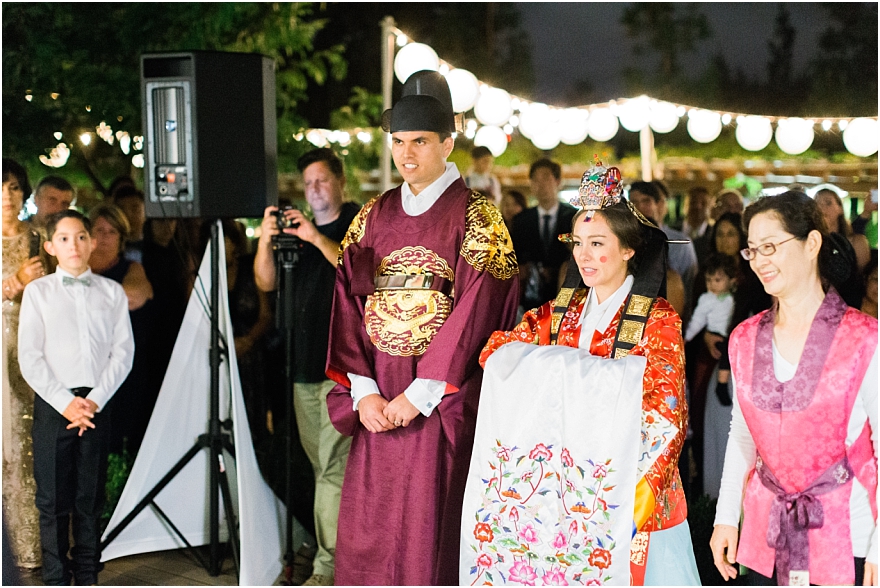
799, 428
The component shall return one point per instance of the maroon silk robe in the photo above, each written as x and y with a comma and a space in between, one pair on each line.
401, 499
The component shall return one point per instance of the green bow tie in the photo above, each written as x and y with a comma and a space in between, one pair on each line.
68, 281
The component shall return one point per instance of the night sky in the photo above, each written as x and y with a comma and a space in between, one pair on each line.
586, 40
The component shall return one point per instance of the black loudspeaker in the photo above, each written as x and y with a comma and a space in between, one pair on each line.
210, 134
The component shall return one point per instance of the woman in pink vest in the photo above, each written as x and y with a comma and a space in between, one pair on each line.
801, 468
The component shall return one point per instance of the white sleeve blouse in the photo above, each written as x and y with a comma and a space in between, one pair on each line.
741, 455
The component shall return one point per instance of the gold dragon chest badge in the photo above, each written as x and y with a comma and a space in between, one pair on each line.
402, 321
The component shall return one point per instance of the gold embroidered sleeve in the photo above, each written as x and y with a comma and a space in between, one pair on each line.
487, 245
356, 229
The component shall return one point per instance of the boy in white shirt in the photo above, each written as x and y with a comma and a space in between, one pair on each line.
714, 310
75, 349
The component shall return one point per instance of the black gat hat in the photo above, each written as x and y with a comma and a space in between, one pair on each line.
425, 105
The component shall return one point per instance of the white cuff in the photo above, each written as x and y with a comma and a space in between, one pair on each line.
872, 549
425, 394
361, 386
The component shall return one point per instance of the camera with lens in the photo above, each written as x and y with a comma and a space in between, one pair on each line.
283, 221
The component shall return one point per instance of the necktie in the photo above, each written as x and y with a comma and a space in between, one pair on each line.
548, 240
68, 281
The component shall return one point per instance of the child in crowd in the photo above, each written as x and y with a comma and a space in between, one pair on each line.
75, 349
480, 177
713, 312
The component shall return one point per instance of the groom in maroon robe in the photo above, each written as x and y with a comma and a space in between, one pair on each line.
426, 273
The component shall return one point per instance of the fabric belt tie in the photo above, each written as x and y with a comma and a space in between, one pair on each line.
793, 514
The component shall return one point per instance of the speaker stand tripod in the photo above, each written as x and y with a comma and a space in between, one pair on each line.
215, 440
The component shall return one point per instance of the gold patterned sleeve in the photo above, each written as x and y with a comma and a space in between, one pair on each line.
356, 229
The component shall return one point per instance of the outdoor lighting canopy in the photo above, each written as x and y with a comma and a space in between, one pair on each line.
415, 57
573, 126
664, 117
753, 133
492, 137
548, 137
603, 124
860, 137
465, 89
493, 107
635, 114
704, 126
794, 135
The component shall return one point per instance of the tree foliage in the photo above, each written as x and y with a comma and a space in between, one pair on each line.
80, 63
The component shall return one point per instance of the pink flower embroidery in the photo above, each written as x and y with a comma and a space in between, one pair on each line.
569, 485
484, 561
600, 471
514, 514
523, 573
566, 458
527, 476
555, 577
560, 541
593, 582
503, 453
528, 533
573, 528
540, 453
588, 539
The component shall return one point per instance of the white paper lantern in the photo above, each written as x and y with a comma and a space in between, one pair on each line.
634, 114
794, 135
493, 138
415, 57
603, 125
573, 125
533, 118
753, 132
664, 117
704, 126
860, 137
465, 89
547, 138
493, 107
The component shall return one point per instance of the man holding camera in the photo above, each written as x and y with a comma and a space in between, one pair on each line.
426, 273
312, 291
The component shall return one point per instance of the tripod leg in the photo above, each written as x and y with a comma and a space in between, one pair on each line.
200, 444
231, 522
174, 528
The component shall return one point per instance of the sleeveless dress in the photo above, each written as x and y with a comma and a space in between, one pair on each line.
19, 487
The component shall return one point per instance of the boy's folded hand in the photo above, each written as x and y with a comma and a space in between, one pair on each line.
80, 413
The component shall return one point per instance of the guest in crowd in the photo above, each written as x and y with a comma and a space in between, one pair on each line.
52, 195
832, 211
22, 264
650, 198
535, 236
131, 201
513, 202
727, 200
251, 315
621, 261
800, 469
480, 176
866, 223
133, 402
696, 222
405, 356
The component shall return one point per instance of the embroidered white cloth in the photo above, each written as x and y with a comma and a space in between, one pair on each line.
551, 488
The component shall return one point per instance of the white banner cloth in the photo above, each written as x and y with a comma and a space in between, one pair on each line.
181, 414
551, 488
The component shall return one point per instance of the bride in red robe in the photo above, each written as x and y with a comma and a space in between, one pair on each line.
619, 258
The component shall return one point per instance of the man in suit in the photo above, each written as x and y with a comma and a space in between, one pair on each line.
535, 231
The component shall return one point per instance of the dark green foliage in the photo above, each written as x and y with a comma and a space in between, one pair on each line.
118, 469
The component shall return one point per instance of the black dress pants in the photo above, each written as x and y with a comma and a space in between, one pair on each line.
755, 579
71, 473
